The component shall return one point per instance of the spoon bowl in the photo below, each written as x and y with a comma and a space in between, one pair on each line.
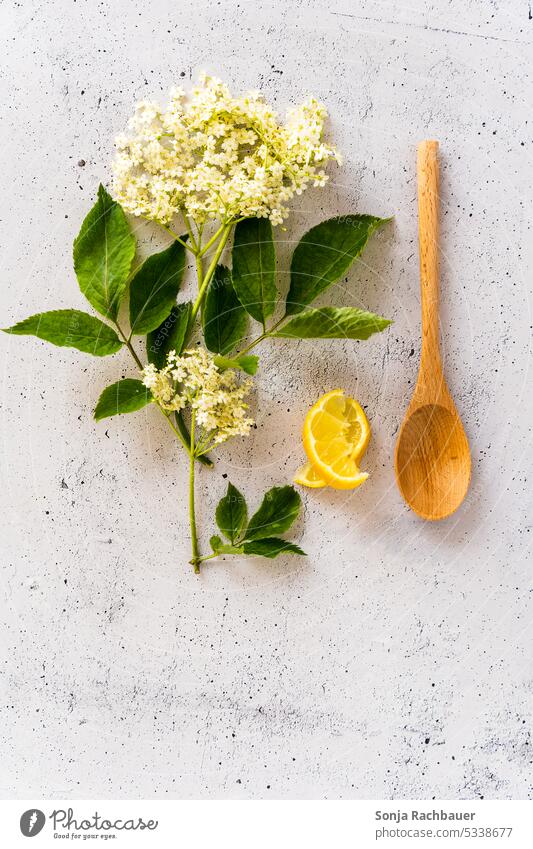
433, 461
432, 456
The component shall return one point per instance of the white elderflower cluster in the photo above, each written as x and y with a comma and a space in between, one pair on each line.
217, 156
215, 397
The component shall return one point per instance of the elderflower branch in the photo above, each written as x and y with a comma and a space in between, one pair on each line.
204, 164
180, 433
193, 380
215, 400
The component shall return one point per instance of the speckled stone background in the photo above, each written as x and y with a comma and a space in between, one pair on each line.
396, 659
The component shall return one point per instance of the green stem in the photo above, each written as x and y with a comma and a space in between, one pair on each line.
172, 233
210, 271
177, 238
195, 559
129, 346
199, 272
259, 339
206, 557
176, 431
182, 427
252, 344
194, 243
212, 240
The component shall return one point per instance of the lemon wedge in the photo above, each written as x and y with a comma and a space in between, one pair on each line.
336, 434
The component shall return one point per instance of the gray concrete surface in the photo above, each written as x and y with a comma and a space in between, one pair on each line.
395, 661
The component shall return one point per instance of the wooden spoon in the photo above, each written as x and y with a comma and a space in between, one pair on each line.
432, 457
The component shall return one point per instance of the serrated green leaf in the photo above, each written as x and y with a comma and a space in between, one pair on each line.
71, 329
247, 363
224, 318
325, 254
254, 267
171, 335
271, 547
125, 396
103, 253
278, 510
333, 323
231, 514
154, 288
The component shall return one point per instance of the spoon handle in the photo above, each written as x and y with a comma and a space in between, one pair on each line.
428, 236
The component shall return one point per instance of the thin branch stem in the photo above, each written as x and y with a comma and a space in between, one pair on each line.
195, 559
190, 247
194, 243
212, 240
206, 557
210, 271
178, 238
182, 427
252, 344
205, 444
259, 339
199, 272
180, 436
129, 346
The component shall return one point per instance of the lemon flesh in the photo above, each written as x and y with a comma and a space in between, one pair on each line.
308, 476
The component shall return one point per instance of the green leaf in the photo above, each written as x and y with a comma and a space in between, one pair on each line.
277, 512
231, 514
333, 323
103, 253
325, 254
72, 329
169, 336
154, 288
246, 362
271, 547
223, 319
254, 267
126, 396
215, 542
220, 547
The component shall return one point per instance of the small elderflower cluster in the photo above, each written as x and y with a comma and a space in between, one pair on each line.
215, 397
217, 156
